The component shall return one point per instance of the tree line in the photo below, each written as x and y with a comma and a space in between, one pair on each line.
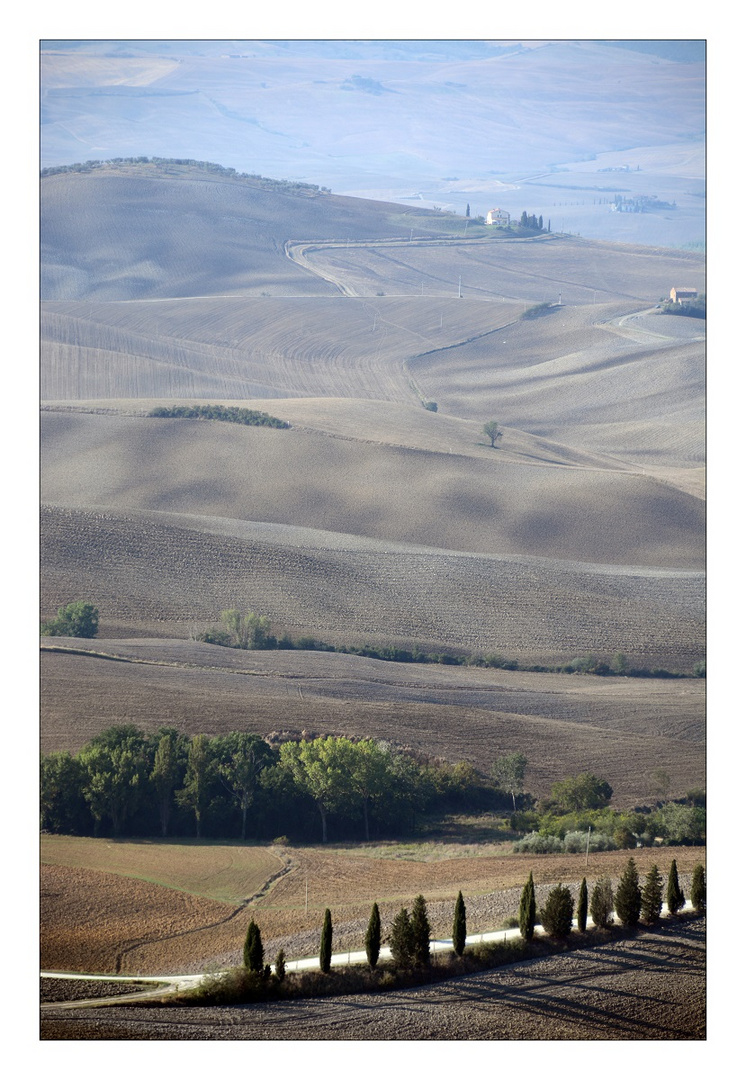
232, 414
124, 782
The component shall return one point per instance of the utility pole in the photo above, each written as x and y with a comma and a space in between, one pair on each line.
587, 845
459, 286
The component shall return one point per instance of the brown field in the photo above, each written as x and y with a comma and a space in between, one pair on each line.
153, 929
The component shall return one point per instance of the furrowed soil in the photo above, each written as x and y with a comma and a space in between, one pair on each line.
648, 987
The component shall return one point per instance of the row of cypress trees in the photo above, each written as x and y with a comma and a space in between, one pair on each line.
410, 933
631, 902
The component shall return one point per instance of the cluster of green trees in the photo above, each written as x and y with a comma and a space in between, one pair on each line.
695, 309
126, 782
222, 171
631, 902
231, 413
77, 619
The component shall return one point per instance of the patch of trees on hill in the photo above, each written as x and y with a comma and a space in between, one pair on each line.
695, 309
232, 414
291, 186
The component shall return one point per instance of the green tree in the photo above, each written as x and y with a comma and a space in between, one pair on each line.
508, 773
402, 940
196, 794
583, 906
582, 792
325, 949
63, 806
78, 619
241, 757
322, 768
699, 889
247, 631
556, 914
280, 965
169, 765
675, 898
602, 903
253, 950
371, 776
373, 937
652, 896
420, 932
628, 898
116, 774
527, 909
492, 430
459, 926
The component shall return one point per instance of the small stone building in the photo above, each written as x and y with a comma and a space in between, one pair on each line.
678, 296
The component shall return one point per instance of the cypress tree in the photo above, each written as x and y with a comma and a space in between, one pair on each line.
325, 951
373, 937
628, 899
527, 909
652, 896
583, 906
699, 889
280, 965
253, 950
459, 926
420, 932
674, 896
402, 943
602, 902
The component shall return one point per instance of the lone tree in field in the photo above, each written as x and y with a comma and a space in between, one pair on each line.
527, 909
583, 906
73, 620
556, 915
699, 889
373, 937
325, 951
402, 939
492, 431
602, 903
628, 898
652, 896
420, 932
253, 950
674, 896
459, 926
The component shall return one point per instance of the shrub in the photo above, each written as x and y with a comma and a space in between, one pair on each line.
420, 932
628, 899
527, 909
431, 406
537, 844
402, 939
625, 838
280, 965
556, 915
459, 926
699, 897
576, 842
77, 619
602, 903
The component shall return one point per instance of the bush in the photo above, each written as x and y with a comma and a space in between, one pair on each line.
699, 897
280, 965
420, 933
253, 950
628, 898
537, 844
556, 915
77, 619
575, 842
402, 940
602, 903
652, 896
675, 898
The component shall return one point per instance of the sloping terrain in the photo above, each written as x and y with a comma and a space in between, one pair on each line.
372, 519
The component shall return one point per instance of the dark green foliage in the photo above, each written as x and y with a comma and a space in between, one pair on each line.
537, 310
402, 940
431, 406
602, 903
527, 909
78, 619
373, 937
420, 933
582, 792
325, 950
280, 965
459, 926
253, 950
492, 431
652, 896
233, 414
628, 898
675, 898
63, 807
699, 888
508, 773
556, 915
583, 906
